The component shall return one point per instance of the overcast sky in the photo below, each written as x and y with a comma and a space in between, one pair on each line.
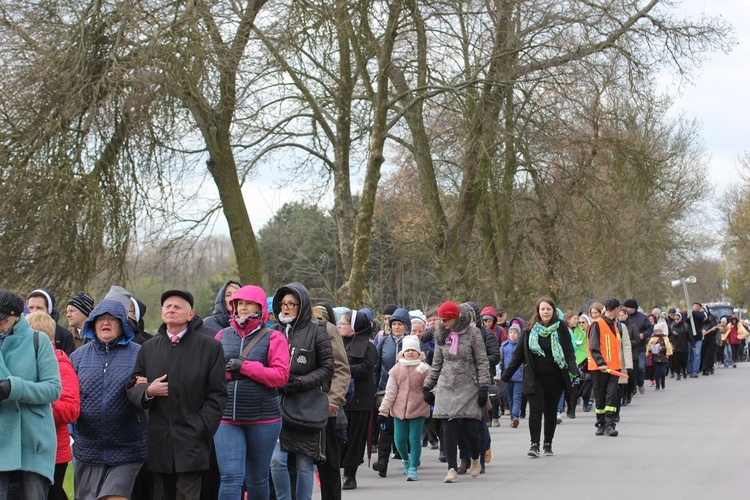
717, 98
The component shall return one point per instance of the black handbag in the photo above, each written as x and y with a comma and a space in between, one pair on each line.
305, 410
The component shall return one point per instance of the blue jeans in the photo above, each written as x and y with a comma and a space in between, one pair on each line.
280, 475
727, 355
32, 484
696, 366
244, 454
641, 372
514, 395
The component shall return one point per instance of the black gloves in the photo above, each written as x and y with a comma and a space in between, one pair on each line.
4, 389
382, 419
234, 365
292, 386
482, 397
428, 396
575, 381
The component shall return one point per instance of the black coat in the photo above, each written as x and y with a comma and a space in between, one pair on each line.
362, 356
493, 348
182, 425
524, 356
311, 366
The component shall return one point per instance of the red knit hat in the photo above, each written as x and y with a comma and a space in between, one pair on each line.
448, 310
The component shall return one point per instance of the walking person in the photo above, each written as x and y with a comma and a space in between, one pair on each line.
460, 376
547, 354
356, 331
659, 349
111, 433
683, 343
29, 384
736, 333
311, 368
403, 401
66, 409
180, 377
604, 355
514, 386
257, 366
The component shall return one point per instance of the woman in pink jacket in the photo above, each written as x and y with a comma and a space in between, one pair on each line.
403, 401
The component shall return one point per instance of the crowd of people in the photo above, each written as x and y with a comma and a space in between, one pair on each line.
270, 390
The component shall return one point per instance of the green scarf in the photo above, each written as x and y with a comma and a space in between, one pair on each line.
540, 331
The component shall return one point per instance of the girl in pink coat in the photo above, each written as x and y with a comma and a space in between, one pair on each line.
403, 401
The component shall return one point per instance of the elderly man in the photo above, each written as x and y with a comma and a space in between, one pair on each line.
179, 377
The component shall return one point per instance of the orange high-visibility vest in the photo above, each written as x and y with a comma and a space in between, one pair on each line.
609, 345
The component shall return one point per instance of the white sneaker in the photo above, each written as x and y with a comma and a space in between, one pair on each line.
559, 418
451, 477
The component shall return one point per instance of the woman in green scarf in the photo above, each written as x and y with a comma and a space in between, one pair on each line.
547, 356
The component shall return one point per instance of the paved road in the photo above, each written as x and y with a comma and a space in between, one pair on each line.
687, 442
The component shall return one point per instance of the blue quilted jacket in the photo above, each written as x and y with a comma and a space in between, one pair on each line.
110, 430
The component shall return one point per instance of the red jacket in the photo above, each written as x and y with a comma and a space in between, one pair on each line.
66, 409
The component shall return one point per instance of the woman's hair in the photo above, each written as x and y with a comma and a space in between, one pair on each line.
569, 315
596, 305
536, 318
42, 322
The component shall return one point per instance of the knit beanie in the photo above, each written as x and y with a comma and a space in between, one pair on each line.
83, 302
515, 327
119, 294
389, 309
10, 304
448, 310
410, 342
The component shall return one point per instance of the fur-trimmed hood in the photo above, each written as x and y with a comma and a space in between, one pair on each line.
462, 323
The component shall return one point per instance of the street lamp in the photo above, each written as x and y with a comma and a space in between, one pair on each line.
684, 282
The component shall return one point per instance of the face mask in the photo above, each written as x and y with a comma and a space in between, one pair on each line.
287, 319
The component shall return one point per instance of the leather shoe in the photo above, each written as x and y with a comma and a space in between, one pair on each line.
350, 483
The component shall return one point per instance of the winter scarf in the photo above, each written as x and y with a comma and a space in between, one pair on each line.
541, 331
452, 341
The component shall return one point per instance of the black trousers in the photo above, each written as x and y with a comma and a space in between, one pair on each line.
605, 398
177, 485
471, 429
353, 451
544, 401
385, 441
330, 470
708, 354
56, 491
680, 366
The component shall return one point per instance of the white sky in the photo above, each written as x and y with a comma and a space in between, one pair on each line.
717, 98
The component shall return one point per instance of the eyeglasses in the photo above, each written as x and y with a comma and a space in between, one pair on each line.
105, 318
288, 305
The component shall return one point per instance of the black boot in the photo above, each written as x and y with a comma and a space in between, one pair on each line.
350, 478
463, 467
380, 467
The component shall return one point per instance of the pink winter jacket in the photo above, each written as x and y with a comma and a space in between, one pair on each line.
403, 393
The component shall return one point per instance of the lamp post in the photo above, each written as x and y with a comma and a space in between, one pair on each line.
684, 282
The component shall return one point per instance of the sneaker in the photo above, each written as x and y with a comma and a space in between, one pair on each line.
495, 422
679, 377
506, 412
559, 418
534, 450
611, 432
451, 477
406, 466
474, 468
411, 474
548, 450
441, 457
435, 446
657, 387
642, 390
599, 431
488, 456
514, 423
570, 415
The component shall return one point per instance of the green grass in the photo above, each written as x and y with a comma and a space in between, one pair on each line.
68, 483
